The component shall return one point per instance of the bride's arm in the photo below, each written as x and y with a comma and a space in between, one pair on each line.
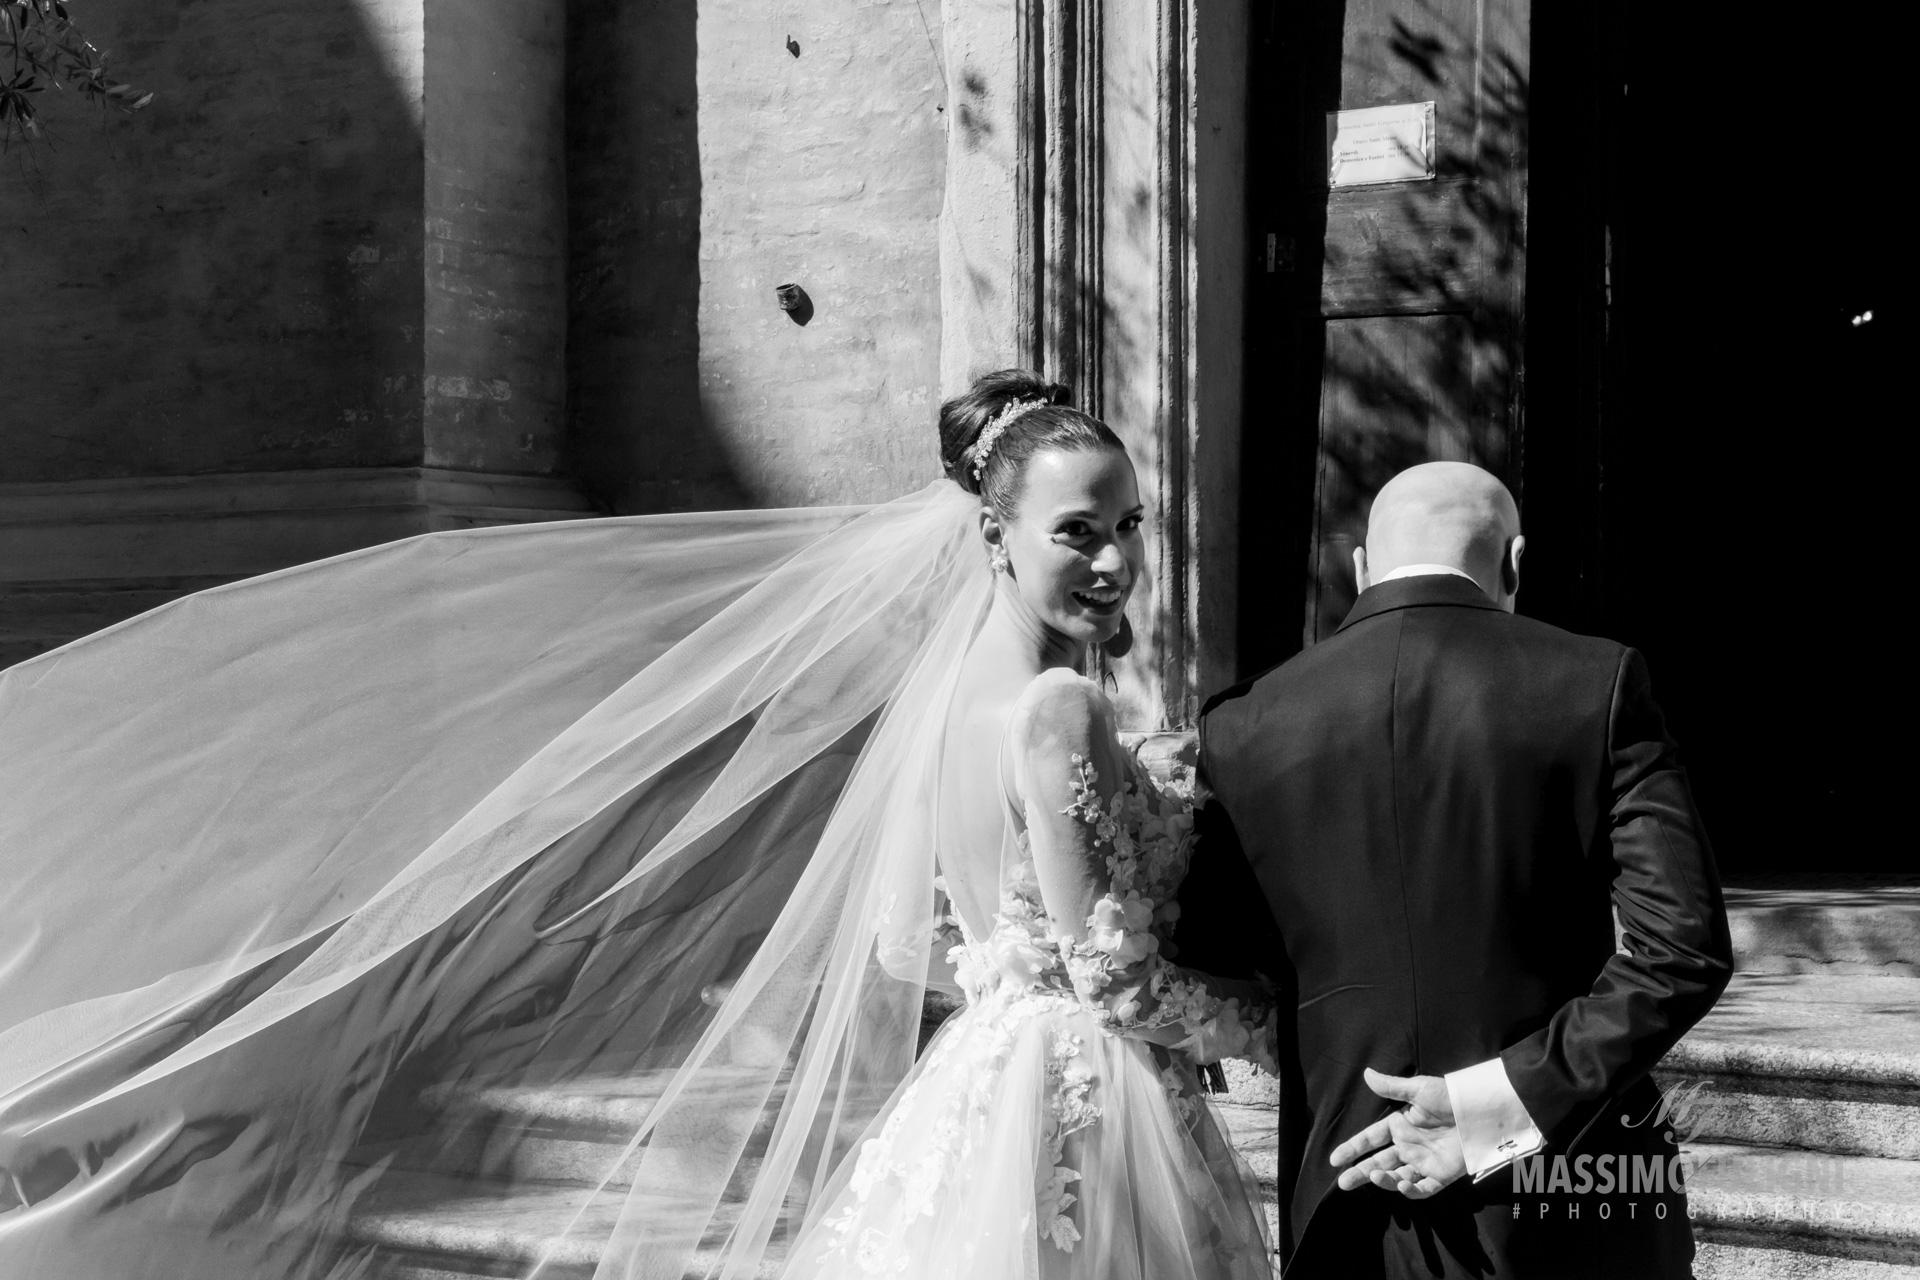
1069, 762
1069, 765
1061, 723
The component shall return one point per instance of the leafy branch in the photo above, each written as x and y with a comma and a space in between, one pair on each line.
48, 51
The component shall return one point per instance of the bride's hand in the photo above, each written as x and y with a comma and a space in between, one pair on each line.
1422, 1153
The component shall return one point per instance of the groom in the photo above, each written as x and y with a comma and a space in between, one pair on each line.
1493, 909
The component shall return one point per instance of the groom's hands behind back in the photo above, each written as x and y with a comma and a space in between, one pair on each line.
1416, 1151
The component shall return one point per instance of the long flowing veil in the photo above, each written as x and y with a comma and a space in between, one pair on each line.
640, 808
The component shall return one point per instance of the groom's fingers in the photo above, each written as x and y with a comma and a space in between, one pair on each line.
1372, 1169
1399, 1088
1372, 1138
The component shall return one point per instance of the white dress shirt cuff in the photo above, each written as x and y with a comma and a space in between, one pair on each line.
1495, 1129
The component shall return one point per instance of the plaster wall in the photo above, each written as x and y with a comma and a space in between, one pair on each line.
354, 233
715, 153
981, 255
335, 239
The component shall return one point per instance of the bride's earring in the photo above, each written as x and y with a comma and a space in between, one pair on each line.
1100, 657
998, 559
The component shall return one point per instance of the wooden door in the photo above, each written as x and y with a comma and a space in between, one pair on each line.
1387, 318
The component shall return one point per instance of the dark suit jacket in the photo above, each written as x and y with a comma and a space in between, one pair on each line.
1444, 806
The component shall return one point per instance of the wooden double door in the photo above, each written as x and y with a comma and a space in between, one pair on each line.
1386, 319
1690, 384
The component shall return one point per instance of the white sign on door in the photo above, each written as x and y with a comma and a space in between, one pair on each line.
1380, 144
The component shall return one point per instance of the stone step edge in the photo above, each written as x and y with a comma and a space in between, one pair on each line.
1731, 1253
1845, 1226
1776, 1215
588, 1104
1900, 1071
417, 1232
1758, 1221
1814, 1203
420, 1237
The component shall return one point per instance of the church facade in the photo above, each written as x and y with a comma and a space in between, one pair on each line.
369, 268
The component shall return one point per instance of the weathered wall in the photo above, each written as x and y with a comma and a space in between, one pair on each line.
825, 170
806, 147
336, 238
230, 280
312, 299
982, 259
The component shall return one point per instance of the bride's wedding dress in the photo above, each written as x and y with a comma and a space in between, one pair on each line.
1040, 1135
643, 809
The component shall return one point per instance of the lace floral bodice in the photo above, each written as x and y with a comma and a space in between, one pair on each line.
1122, 969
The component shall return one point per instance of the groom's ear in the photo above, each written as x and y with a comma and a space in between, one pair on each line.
1361, 578
1510, 567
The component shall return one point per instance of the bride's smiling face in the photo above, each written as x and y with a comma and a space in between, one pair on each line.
1073, 543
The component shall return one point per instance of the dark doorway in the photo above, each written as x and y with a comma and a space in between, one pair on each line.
1707, 446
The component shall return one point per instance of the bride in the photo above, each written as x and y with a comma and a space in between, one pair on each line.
681, 812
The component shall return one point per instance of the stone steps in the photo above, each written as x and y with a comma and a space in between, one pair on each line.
1827, 923
422, 1224
1771, 1211
1811, 1061
1717, 1261
1801, 1098
509, 1176
1800, 1092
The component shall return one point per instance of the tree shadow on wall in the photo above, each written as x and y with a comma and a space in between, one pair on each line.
1421, 287
231, 280
1097, 336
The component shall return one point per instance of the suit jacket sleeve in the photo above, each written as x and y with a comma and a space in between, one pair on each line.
1226, 927
1674, 924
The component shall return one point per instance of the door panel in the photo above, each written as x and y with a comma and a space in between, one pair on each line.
1394, 391
1401, 324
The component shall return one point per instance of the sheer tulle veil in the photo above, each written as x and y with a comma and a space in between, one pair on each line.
637, 799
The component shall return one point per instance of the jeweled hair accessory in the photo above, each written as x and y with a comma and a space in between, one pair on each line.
991, 433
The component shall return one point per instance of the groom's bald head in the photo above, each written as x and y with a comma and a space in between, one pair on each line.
1450, 513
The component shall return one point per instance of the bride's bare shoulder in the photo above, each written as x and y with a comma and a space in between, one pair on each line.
1062, 708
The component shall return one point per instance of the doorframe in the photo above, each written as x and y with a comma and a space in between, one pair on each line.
1094, 229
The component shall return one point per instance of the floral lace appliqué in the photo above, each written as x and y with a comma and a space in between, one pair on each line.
1147, 833
1174, 1081
1068, 1113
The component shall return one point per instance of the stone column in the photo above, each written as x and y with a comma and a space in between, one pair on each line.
494, 233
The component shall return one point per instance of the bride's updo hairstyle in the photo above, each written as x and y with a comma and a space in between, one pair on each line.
1055, 424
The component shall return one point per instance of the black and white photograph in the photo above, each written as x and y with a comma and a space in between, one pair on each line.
955, 640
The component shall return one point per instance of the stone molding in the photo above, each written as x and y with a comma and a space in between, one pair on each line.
167, 527
79, 555
1129, 248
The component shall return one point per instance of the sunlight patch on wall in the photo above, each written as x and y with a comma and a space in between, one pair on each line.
398, 29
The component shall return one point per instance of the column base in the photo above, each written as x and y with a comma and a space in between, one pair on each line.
76, 556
